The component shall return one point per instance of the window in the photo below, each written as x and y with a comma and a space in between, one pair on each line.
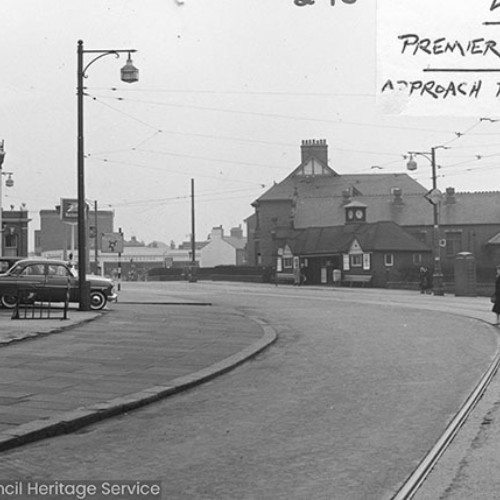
11, 240
357, 260
346, 262
57, 270
417, 259
366, 262
313, 167
388, 259
33, 270
421, 236
453, 243
287, 262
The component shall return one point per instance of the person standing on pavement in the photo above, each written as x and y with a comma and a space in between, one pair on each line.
423, 279
496, 303
303, 274
296, 275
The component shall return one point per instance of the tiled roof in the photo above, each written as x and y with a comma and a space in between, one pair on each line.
377, 237
472, 208
413, 210
320, 201
238, 243
328, 186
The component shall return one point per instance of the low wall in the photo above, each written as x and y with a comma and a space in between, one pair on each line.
219, 273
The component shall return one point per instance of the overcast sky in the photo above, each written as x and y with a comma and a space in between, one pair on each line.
228, 89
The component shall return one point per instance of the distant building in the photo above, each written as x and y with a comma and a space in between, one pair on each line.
55, 234
314, 196
357, 251
15, 232
224, 250
134, 242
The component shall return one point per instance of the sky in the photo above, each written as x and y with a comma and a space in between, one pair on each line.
228, 89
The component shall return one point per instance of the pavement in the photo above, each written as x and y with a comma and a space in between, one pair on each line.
94, 365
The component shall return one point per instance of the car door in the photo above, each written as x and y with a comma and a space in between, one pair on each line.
30, 281
58, 282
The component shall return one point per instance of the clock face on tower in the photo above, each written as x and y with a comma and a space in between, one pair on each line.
358, 214
350, 214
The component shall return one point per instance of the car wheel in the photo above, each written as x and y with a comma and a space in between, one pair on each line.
97, 300
9, 301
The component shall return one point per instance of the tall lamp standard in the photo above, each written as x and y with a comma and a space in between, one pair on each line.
434, 197
129, 74
9, 183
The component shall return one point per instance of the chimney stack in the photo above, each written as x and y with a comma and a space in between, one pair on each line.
450, 196
237, 232
398, 196
346, 196
315, 147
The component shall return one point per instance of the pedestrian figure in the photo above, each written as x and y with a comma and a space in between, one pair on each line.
274, 276
303, 275
496, 297
425, 280
296, 276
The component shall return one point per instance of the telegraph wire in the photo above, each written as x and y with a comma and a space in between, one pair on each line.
273, 115
215, 160
161, 169
240, 92
159, 130
207, 196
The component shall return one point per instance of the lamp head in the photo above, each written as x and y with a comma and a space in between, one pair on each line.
412, 164
129, 73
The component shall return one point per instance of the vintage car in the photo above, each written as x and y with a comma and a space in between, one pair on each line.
50, 280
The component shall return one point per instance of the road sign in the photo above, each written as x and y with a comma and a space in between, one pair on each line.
434, 196
112, 242
69, 210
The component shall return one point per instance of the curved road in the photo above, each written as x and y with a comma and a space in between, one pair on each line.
359, 386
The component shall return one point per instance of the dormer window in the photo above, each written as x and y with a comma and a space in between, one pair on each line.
313, 168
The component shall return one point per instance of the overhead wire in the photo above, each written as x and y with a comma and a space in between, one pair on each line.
272, 115
162, 169
161, 130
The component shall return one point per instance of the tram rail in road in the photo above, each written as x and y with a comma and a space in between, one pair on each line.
416, 479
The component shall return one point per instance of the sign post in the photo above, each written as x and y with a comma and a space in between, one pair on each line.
113, 243
68, 212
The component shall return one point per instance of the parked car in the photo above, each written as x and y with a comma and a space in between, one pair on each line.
50, 280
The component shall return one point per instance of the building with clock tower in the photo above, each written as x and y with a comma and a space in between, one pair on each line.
313, 216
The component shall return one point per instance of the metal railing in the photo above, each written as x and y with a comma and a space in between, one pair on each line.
30, 306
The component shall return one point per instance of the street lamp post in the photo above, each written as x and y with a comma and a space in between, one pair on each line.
9, 183
434, 196
129, 74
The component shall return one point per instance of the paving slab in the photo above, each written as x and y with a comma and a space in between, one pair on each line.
57, 375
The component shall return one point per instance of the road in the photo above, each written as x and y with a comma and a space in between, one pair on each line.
357, 389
